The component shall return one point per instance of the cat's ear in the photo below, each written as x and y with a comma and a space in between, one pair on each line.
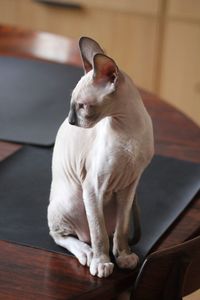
88, 48
105, 70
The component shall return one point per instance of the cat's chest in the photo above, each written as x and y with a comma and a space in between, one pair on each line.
118, 151
115, 163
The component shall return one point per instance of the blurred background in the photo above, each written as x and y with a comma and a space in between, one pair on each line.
157, 42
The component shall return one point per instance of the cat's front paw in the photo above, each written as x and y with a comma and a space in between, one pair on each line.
101, 266
127, 261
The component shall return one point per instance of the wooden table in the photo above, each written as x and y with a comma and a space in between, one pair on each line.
29, 273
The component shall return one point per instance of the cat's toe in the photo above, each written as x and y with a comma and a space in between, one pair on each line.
105, 269
82, 258
85, 256
101, 267
127, 261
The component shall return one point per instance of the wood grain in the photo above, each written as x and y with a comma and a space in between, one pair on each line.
184, 9
162, 275
139, 6
28, 273
180, 76
155, 41
125, 33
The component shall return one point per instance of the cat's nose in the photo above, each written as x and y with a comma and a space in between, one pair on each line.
72, 117
71, 121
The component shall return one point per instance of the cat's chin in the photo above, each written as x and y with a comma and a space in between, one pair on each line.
86, 125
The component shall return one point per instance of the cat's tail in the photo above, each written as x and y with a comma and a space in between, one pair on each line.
135, 228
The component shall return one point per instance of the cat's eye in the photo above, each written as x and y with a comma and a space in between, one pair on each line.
80, 105
86, 110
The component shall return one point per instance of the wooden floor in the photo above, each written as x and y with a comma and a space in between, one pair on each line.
193, 296
175, 136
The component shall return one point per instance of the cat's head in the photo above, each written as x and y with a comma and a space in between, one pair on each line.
92, 97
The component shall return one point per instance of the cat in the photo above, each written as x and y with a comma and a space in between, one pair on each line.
100, 153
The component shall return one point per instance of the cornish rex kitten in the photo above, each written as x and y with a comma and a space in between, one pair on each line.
101, 150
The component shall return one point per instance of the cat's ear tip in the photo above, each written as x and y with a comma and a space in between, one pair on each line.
83, 39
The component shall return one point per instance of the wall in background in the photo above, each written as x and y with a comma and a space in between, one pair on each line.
180, 62
157, 42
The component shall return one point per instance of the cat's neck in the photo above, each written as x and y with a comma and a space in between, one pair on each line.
128, 112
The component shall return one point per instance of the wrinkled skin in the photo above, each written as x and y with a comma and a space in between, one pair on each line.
100, 153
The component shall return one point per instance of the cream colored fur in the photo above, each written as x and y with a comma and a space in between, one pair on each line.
97, 164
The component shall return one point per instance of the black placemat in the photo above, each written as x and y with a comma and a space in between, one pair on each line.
166, 188
34, 99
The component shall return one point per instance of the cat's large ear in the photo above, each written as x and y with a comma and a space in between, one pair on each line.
88, 48
105, 70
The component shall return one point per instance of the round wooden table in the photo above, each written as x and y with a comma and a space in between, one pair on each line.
29, 273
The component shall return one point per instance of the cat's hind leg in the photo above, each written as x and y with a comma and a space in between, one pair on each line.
81, 250
64, 235
121, 250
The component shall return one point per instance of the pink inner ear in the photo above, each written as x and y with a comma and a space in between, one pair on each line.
107, 69
107, 72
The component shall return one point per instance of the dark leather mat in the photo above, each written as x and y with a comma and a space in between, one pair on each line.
34, 99
166, 188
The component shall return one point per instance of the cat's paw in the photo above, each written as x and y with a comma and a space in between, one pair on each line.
101, 267
127, 261
85, 255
